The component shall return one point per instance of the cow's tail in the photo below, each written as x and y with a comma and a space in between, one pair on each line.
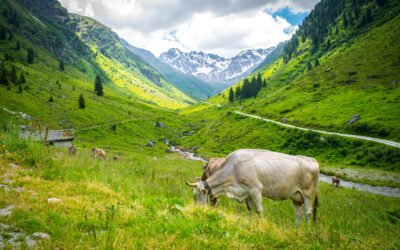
316, 198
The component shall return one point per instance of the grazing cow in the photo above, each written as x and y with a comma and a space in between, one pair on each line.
247, 174
98, 153
212, 166
116, 158
72, 149
335, 181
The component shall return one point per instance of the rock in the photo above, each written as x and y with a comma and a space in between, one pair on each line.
12, 165
329, 69
154, 158
216, 130
393, 83
204, 121
140, 149
151, 143
176, 136
53, 200
42, 236
166, 141
23, 127
285, 120
108, 147
167, 150
191, 124
217, 124
190, 133
7, 211
353, 119
161, 125
195, 148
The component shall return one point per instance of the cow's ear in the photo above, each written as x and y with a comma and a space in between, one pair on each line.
204, 166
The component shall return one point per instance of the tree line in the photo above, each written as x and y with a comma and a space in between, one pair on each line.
249, 88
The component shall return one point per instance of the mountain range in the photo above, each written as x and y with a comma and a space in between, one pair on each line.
214, 68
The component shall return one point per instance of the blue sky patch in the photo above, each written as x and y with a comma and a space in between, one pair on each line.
293, 19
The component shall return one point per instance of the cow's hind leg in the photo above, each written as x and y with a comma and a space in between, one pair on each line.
307, 207
299, 212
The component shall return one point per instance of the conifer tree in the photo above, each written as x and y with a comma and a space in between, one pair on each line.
316, 63
19, 89
98, 86
61, 65
345, 22
237, 93
30, 57
309, 66
51, 99
22, 78
18, 46
264, 83
231, 95
13, 74
81, 102
3, 77
259, 82
3, 34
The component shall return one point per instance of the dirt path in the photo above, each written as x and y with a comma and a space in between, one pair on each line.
386, 142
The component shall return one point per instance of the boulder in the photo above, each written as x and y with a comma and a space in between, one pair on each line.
151, 143
191, 124
53, 200
42, 236
190, 133
353, 119
195, 148
393, 83
167, 150
329, 69
285, 120
160, 124
23, 127
166, 141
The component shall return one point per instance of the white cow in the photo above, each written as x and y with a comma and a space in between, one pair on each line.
247, 174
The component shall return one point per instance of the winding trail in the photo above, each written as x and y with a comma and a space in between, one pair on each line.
386, 142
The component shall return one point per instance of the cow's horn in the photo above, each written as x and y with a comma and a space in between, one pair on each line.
190, 184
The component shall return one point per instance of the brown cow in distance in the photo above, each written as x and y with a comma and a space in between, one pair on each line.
72, 149
98, 153
335, 181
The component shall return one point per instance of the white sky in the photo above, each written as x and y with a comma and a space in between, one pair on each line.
223, 27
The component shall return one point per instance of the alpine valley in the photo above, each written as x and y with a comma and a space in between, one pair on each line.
141, 126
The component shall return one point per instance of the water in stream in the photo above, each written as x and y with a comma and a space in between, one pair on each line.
383, 190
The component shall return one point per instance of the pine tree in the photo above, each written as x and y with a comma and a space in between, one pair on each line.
259, 82
309, 66
18, 46
19, 89
264, 83
3, 77
81, 102
345, 22
98, 86
30, 56
3, 34
13, 74
237, 93
73, 88
316, 63
51, 99
22, 78
231, 95
62, 65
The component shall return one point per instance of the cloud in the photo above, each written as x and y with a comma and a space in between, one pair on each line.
224, 26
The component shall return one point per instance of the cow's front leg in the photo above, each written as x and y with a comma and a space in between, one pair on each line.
256, 197
307, 207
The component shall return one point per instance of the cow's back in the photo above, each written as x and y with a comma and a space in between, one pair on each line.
280, 174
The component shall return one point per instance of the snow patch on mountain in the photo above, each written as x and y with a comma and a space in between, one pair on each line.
214, 68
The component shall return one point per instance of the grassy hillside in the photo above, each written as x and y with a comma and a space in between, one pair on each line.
357, 74
124, 68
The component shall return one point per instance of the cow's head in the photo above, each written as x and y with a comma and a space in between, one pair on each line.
199, 192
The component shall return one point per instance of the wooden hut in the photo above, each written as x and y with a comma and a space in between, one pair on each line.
61, 138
